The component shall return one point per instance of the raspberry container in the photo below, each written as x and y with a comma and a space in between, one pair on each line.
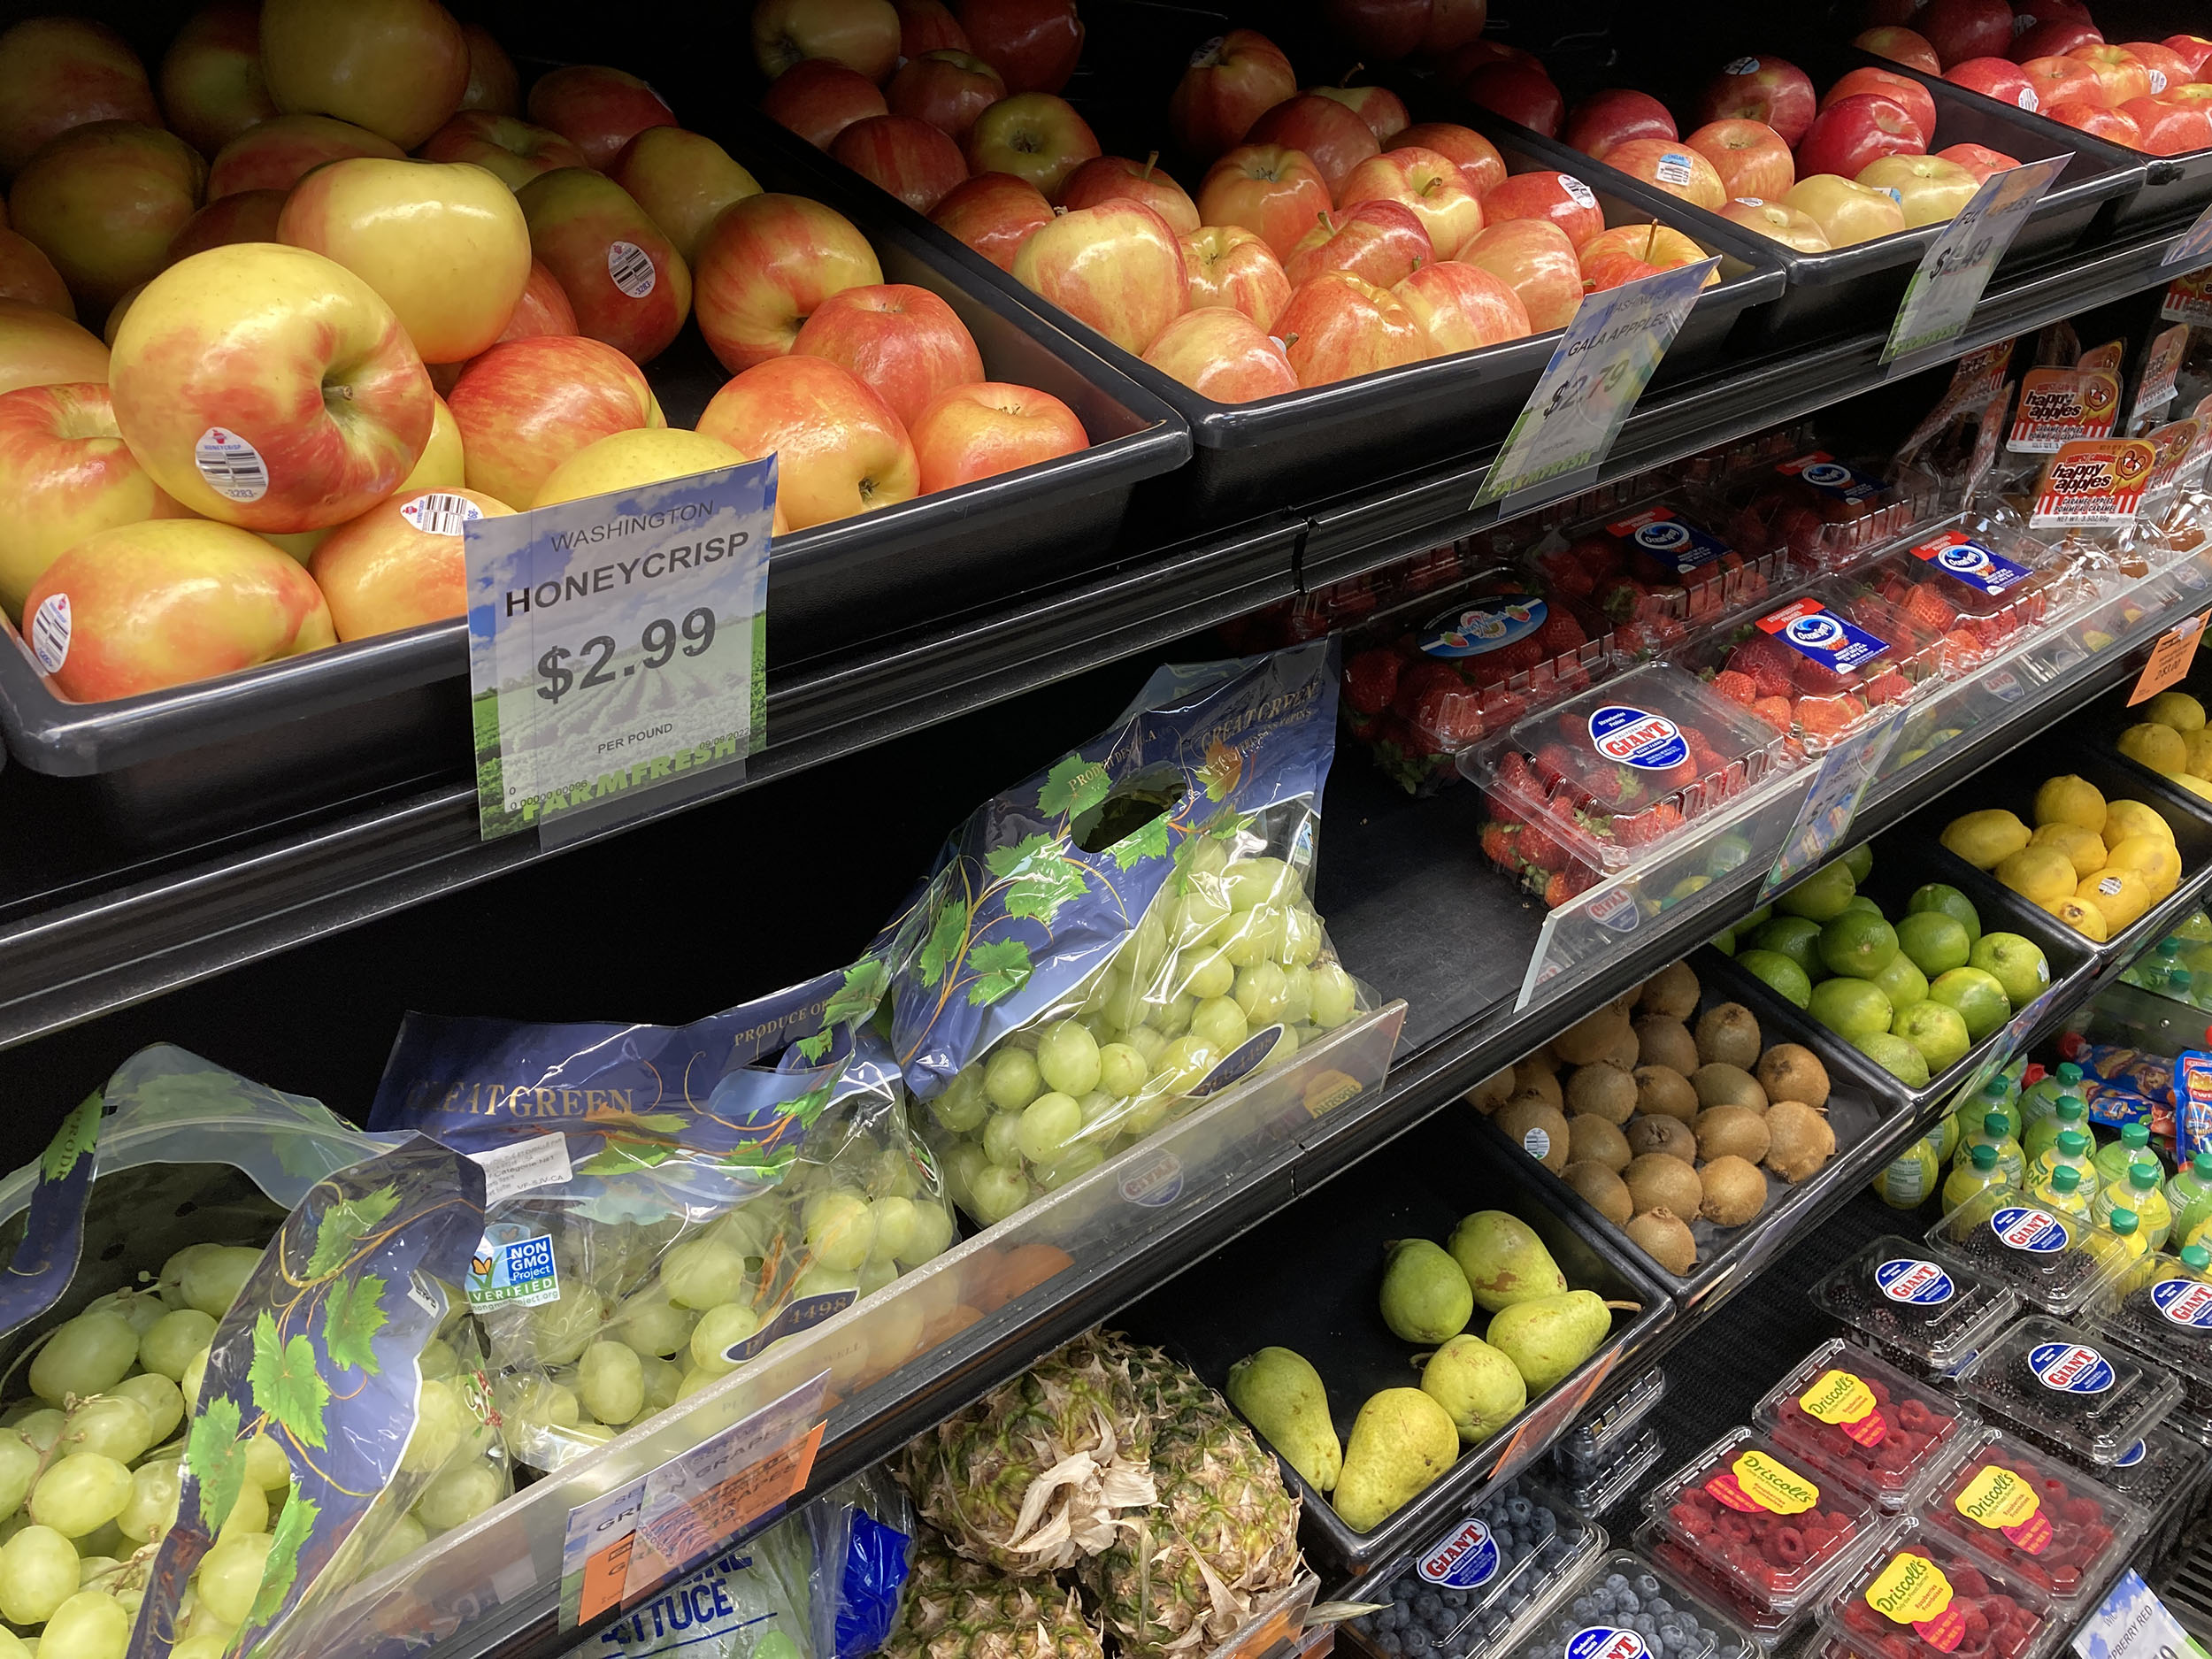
1857, 1416
2167, 1318
2050, 1381
1771, 1629
1928, 1314
1824, 514
2057, 1263
1657, 570
1624, 1607
2036, 1518
1924, 1597
1583, 1448
1596, 1488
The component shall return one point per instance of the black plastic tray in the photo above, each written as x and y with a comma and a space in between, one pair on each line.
1306, 1279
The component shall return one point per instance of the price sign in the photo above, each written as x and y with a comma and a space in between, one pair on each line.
1598, 370
1959, 263
1826, 818
2194, 246
2170, 657
617, 655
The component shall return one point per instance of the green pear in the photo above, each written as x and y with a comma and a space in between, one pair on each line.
1281, 1394
1475, 1383
1401, 1441
1548, 1338
1503, 1260
1424, 1295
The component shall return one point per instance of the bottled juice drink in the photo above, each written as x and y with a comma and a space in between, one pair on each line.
2189, 1195
1995, 1130
2115, 1157
2123, 1232
2043, 1133
1906, 1182
2071, 1150
2140, 1193
2062, 1191
2040, 1100
1974, 1172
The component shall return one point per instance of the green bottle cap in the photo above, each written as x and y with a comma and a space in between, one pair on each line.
2202, 1165
2069, 1071
1982, 1155
2080, 1142
2065, 1177
2195, 1257
1996, 1125
2137, 1136
1994, 1088
2143, 1175
2070, 1109
2123, 1222
2169, 946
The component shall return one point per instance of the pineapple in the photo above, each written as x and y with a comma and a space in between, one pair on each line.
962, 1609
1184, 1575
1036, 1475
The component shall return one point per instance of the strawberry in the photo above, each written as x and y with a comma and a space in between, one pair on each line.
1736, 686
1416, 679
1931, 609
1497, 844
1818, 679
1538, 850
1829, 717
1569, 577
1554, 763
1775, 712
1652, 824
1561, 634
1371, 679
1513, 772
1614, 786
1566, 886
1451, 719
1887, 686
1500, 708
1521, 656
1621, 597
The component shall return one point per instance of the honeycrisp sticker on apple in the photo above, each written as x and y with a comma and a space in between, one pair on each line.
1959, 263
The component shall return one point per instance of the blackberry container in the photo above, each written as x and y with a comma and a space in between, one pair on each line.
2057, 1263
2035, 1517
1928, 1314
1596, 1487
2167, 1319
2050, 1381
1856, 1415
1622, 1598
1583, 1450
2163, 1475
1895, 1608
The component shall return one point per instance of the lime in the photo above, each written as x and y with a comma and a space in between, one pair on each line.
2018, 965
1796, 937
1858, 944
1757, 919
1859, 902
1896, 1056
1786, 977
1860, 861
1850, 1008
1942, 897
1902, 982
1723, 942
1937, 943
1980, 999
1822, 895
1936, 1031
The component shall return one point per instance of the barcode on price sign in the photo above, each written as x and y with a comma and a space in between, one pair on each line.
630, 268
232, 466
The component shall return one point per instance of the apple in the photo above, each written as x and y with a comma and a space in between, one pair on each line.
543, 309
907, 157
211, 89
526, 406
1431, 184
2119, 72
1228, 266
1559, 198
1853, 131
628, 284
1930, 189
1845, 210
1750, 157
1518, 92
1231, 81
1998, 78
57, 73
1779, 222
513, 151
1903, 46
1533, 258
2190, 92
993, 213
1330, 135
2028, 13
492, 85
441, 464
1105, 179
1383, 110
67, 474
1770, 90
1960, 29
2054, 38
1614, 268
1337, 326
818, 99
1606, 119
682, 180
1221, 354
902, 340
929, 26
1673, 166
28, 275
2169, 127
765, 265
42, 348
1391, 29
1650, 243
1273, 192
398, 68
1380, 240
2095, 120
988, 427
862, 34
1035, 43
246, 216
1460, 62
839, 448
1118, 268
276, 154
1479, 163
2061, 80
102, 202
1462, 307
401, 564
2193, 49
1915, 99
948, 89
1033, 135
2168, 68
597, 109
1979, 160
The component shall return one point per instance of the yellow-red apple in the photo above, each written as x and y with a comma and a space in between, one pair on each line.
1462, 307
244, 216
2169, 125
28, 274
42, 348
682, 180
907, 157
2055, 80
1853, 131
1778, 221
278, 153
492, 84
1535, 258
2119, 72
1769, 89
211, 89
1105, 179
67, 474
1957, 30
57, 73
902, 340
1979, 160
1673, 167
1607, 120
839, 448
1899, 45
988, 427
1033, 135
514, 150
1328, 135
1749, 156
818, 99
1231, 81
1034, 44
527, 405
398, 68
630, 460
629, 286
1559, 198
862, 34
442, 464
2168, 68
1478, 159
1431, 184
597, 109
403, 563
1337, 326
993, 213
1118, 268
543, 308
1653, 244
1845, 210
1383, 111
102, 200
1902, 90
765, 265
1520, 92
1929, 188
1226, 265
1381, 241
1221, 354
949, 90
1276, 193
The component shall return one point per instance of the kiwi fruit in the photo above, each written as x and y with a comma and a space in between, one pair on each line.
1626, 1049
1493, 1092
1594, 1139
1718, 1083
1529, 1080
1656, 1181
1728, 1034
1668, 1042
1799, 1139
1789, 1071
1662, 1236
1538, 1060
1539, 1127
1734, 1190
1672, 992
1662, 1091
1731, 1132
1603, 1090
1605, 1191
1591, 1037
1670, 1136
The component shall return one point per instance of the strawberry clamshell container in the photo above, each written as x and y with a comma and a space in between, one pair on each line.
1825, 514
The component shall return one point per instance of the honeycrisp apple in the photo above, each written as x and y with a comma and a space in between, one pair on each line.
1226, 266
907, 157
102, 200
1033, 135
2057, 80
1429, 184
1533, 258
398, 68
494, 85
1332, 137
1105, 179
1979, 160
1845, 210
818, 99
1381, 241
597, 109
1277, 194
993, 213
949, 90
1479, 163
988, 427
1337, 326
1779, 222
862, 34
527, 405
902, 340
1901, 45
1035, 44
211, 89
1769, 90
766, 263
2118, 71
1750, 157
278, 153
1232, 80
1221, 354
42, 348
629, 460
1118, 268
681, 180
28, 274
839, 448
1929, 188
515, 150
1462, 307
627, 282
244, 216
57, 73
67, 474
403, 563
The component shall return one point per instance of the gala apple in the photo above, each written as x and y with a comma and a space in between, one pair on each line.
527, 405
1605, 120
2061, 80
1750, 157
1673, 166
1998, 78
1118, 267
1383, 110
948, 89
1916, 99
1770, 90
993, 213
818, 99
862, 34
1381, 241
1560, 197
1901, 46
1462, 307
1429, 184
1519, 93
1327, 134
1105, 179
1035, 43
1479, 163
1533, 258
1979, 160
1221, 354
1033, 135
907, 158
1960, 29
1231, 81
2119, 72
1337, 326
1226, 265
1856, 130
928, 26
1276, 193
902, 340
629, 286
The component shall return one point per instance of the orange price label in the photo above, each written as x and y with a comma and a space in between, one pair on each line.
2170, 657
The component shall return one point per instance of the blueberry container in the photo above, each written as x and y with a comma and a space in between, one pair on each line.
1624, 1607
2052, 1382
1924, 1597
2035, 1517
1594, 1489
1851, 1413
2059, 1263
1925, 1311
1610, 1423
2166, 1317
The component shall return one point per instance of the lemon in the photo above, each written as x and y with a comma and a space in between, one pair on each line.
2124, 819
2195, 784
1986, 839
2167, 877
2140, 854
2069, 800
2199, 762
2120, 896
2083, 917
2038, 874
2178, 710
2158, 746
2081, 846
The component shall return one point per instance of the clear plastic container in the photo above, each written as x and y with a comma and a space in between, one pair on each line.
1584, 1447
1657, 570
2036, 1517
1771, 1629
1777, 1526
1902, 1299
2161, 1476
1852, 1413
1605, 1615
1757, 452
2051, 1380
1826, 514
1924, 1597
2167, 1318
1614, 1475
1977, 588
2057, 1263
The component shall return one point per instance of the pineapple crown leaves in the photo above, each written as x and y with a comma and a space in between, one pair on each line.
79, 1130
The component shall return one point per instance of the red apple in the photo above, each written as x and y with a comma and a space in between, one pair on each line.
1431, 185
946, 88
597, 109
911, 159
102, 201
1479, 163
1750, 157
246, 216
1673, 166
527, 405
981, 430
1614, 268
401, 564
2193, 49
1035, 43
2168, 68
1226, 265
1979, 160
1337, 326
1771, 90
993, 213
1650, 243
67, 474
1332, 137
1930, 189
1033, 135
627, 282
2097, 121
60, 72
277, 153
1105, 179
2119, 72
929, 26
1908, 94
765, 265
1221, 354
1383, 110
1853, 131
818, 99
1845, 210
1381, 241
211, 89
2055, 39
515, 150
1779, 223
1480, 54
1560, 197
839, 448
682, 180
1960, 29
543, 309
1462, 307
2169, 127
1607, 120
1118, 268
1533, 258
1998, 78
902, 340
1902, 46
862, 34
1270, 191
492, 85
1386, 30
28, 275
42, 348
1233, 80
2027, 14
1519, 94
2061, 81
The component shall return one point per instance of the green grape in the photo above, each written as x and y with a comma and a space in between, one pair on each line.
80, 1492
1080, 1161
1301, 937
650, 1323
188, 1384
1102, 986
212, 1282
1286, 1044
152, 1509
167, 1346
13, 1646
1258, 937
1206, 857
1097, 1105
1184, 1065
18, 1467
230, 1575
1067, 1058
537, 1403
1124, 1000
13, 1525
840, 1229
751, 1228
1147, 1042
695, 1380
38, 1572
266, 1465
876, 1273
1297, 1007
209, 1647
1010, 1080
141, 1308
88, 1356
1171, 1019
610, 1383
1001, 1144
963, 1104
1256, 881
42, 1429
249, 1514
933, 1234
822, 1281
111, 1424
554, 1333
437, 1358
170, 1279
662, 1377
1218, 1022
1122, 1069
591, 1433
1140, 958
890, 1174
718, 1328
406, 1536
1333, 993
91, 1567
1201, 908
89, 1626
161, 1399
962, 1163
998, 1193
895, 1228
702, 1273
1204, 972
1046, 1125
1260, 991
440, 1421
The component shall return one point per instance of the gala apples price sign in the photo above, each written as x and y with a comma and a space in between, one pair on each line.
1957, 266
1598, 370
616, 648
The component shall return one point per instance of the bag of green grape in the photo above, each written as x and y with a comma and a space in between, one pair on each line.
668, 1201
1106, 943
